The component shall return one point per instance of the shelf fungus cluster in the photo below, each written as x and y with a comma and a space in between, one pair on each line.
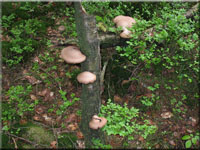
97, 122
73, 55
124, 22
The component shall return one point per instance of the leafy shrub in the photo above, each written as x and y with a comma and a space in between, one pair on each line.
171, 45
123, 121
66, 103
97, 144
190, 140
18, 104
23, 27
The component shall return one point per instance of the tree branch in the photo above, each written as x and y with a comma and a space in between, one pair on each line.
191, 11
25, 140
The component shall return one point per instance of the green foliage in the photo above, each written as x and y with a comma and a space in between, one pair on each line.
66, 103
70, 25
67, 140
190, 140
122, 121
105, 13
18, 104
97, 144
22, 24
171, 45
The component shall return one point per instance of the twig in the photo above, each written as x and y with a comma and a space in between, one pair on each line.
72, 142
102, 75
55, 135
21, 138
191, 11
14, 142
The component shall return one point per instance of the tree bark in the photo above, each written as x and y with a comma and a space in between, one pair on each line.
90, 46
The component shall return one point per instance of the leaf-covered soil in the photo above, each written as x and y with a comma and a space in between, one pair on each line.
48, 74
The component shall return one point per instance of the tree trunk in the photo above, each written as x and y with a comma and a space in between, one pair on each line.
90, 46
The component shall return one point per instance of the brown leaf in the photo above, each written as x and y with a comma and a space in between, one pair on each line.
172, 142
141, 139
79, 135
72, 126
6, 83
46, 118
51, 94
58, 119
189, 131
25, 72
194, 121
37, 59
81, 144
47, 94
40, 109
118, 99
166, 115
61, 28
62, 74
32, 80
43, 93
33, 97
176, 134
151, 122
124, 82
37, 118
23, 122
54, 144
5, 38
157, 146
71, 118
132, 88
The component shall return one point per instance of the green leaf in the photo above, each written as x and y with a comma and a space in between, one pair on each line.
194, 140
188, 144
186, 137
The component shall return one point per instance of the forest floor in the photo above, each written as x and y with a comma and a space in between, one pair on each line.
50, 77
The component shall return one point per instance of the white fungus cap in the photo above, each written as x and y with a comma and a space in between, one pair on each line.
72, 55
86, 77
97, 122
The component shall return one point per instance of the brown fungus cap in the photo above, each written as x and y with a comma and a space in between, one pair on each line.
124, 22
86, 77
97, 122
72, 55
125, 34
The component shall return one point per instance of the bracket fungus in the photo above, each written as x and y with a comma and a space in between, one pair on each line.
124, 22
86, 77
72, 55
97, 122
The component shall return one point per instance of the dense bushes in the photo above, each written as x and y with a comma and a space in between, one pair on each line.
22, 25
170, 46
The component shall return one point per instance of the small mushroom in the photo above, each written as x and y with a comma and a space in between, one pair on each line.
97, 122
72, 55
124, 22
86, 77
